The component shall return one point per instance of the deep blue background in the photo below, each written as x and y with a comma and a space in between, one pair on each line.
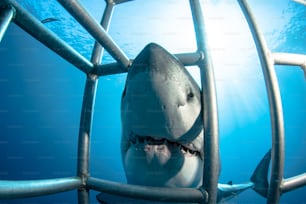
41, 94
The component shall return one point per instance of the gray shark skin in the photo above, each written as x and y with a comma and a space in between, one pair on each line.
162, 132
162, 128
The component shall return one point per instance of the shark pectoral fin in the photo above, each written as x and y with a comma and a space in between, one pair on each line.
230, 190
260, 175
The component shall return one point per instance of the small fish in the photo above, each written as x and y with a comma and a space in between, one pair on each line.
48, 20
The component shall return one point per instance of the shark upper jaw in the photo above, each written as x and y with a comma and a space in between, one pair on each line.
161, 144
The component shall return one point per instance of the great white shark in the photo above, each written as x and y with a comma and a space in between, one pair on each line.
162, 129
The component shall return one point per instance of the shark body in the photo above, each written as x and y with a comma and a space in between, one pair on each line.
162, 128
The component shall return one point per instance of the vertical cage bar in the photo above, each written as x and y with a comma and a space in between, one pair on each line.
87, 111
275, 104
83, 196
209, 107
84, 135
84, 18
98, 50
7, 13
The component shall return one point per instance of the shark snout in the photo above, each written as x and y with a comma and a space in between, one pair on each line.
160, 96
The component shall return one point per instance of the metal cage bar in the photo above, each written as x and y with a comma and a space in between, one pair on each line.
35, 28
290, 59
292, 183
83, 182
275, 104
209, 107
7, 14
87, 111
96, 57
31, 188
188, 59
182, 195
85, 19
84, 136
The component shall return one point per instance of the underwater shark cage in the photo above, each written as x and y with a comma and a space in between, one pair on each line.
12, 11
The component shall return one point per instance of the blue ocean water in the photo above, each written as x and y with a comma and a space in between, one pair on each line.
41, 94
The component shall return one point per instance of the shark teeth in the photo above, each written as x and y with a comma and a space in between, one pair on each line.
147, 140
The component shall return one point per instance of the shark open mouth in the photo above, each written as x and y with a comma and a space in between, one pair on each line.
187, 149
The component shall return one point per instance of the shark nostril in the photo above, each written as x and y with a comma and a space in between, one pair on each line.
124, 92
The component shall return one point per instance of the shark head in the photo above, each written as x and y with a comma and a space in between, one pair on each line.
162, 131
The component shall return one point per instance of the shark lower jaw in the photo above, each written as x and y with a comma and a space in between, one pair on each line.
156, 161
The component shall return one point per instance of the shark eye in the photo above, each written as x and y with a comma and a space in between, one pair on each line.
190, 96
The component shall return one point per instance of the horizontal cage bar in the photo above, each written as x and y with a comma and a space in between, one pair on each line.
292, 59
188, 59
292, 183
183, 195
32, 188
